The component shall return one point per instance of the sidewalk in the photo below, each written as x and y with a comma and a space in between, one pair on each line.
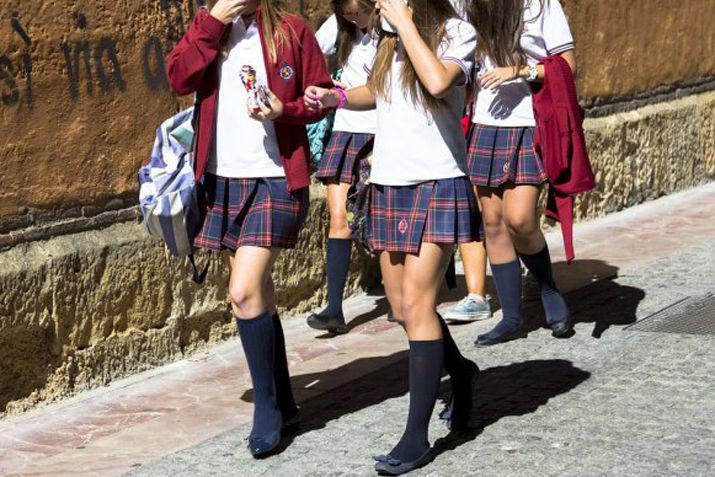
201, 404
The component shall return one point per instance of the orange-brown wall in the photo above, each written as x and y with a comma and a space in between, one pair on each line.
68, 142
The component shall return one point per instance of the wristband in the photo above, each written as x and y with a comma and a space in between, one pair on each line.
533, 73
343, 97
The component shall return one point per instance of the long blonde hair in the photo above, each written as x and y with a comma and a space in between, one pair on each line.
274, 32
430, 17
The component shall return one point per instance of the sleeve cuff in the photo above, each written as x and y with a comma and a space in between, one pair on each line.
213, 27
562, 48
466, 69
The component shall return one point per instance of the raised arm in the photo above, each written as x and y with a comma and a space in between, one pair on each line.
435, 74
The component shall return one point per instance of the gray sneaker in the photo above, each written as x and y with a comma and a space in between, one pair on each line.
469, 309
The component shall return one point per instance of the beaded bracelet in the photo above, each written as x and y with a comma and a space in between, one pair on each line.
343, 97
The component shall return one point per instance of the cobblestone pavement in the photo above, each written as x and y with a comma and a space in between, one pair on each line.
607, 401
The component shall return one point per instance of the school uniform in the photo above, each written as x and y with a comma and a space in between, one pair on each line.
352, 138
501, 141
245, 197
420, 189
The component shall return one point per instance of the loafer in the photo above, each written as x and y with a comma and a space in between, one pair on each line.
388, 465
263, 445
291, 418
391, 317
560, 328
491, 340
329, 323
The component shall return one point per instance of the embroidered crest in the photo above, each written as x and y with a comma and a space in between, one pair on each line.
402, 227
286, 71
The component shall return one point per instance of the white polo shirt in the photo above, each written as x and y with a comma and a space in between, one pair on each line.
413, 145
355, 73
243, 147
546, 32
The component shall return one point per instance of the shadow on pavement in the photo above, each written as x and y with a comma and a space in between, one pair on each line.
514, 390
594, 297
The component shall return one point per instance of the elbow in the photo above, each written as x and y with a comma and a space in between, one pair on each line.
438, 89
177, 84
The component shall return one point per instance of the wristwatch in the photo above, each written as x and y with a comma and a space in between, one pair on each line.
533, 73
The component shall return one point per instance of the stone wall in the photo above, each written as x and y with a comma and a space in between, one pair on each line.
82, 88
80, 310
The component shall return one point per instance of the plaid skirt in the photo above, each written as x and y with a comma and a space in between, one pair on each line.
442, 211
343, 155
497, 155
250, 212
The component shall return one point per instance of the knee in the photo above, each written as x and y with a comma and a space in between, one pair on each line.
244, 299
339, 223
493, 227
409, 308
521, 226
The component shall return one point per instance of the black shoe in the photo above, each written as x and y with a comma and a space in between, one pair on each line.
388, 465
329, 323
391, 317
491, 338
456, 413
291, 418
561, 328
261, 446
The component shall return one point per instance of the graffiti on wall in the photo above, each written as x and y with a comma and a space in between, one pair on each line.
93, 67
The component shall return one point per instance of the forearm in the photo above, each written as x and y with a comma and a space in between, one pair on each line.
568, 56
360, 99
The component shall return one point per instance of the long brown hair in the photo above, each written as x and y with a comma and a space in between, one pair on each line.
500, 24
430, 17
347, 31
274, 32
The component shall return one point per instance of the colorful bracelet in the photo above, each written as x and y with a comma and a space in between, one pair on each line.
343, 97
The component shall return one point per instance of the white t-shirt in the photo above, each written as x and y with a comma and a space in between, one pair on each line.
243, 147
461, 7
546, 32
355, 73
413, 145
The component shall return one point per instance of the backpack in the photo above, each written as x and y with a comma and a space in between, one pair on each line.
167, 189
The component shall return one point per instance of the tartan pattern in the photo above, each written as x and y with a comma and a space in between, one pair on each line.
442, 211
340, 156
250, 212
497, 155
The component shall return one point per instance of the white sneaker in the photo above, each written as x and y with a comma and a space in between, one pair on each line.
471, 308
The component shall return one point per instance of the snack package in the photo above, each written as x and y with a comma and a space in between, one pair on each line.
256, 94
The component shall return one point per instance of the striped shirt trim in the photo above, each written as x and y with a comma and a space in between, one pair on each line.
561, 48
461, 64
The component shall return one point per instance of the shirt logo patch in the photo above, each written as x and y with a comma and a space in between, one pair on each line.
286, 71
402, 227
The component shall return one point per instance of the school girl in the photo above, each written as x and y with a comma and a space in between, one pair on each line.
422, 203
514, 35
254, 167
344, 38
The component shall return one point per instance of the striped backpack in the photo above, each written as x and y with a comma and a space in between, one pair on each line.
167, 189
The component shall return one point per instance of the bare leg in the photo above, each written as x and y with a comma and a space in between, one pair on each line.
392, 266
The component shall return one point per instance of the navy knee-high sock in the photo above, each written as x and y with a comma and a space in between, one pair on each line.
258, 340
539, 264
284, 393
454, 362
337, 259
507, 278
426, 360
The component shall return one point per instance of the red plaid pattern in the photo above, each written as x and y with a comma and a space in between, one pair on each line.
342, 155
442, 211
497, 155
250, 212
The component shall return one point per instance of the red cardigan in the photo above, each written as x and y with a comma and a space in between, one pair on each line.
192, 67
560, 142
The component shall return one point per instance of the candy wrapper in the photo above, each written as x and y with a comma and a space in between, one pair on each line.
256, 94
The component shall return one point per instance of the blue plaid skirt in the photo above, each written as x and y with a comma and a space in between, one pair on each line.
497, 155
402, 217
343, 155
250, 212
